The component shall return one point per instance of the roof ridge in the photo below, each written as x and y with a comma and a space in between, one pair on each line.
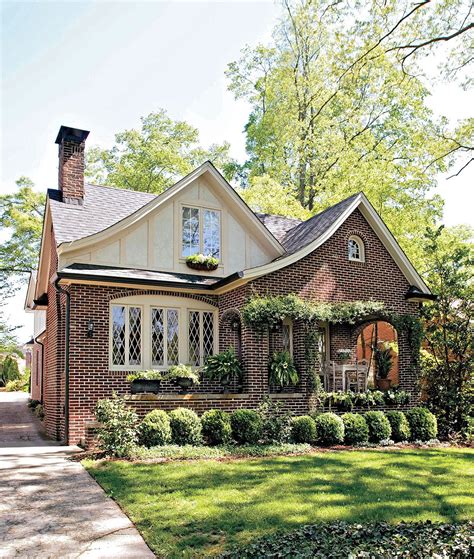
121, 189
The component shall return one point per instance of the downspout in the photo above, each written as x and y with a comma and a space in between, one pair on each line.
60, 290
42, 366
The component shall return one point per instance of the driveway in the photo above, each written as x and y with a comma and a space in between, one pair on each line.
49, 506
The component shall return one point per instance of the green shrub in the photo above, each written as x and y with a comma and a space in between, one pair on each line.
39, 412
379, 426
117, 434
246, 426
303, 429
185, 427
14, 385
329, 429
400, 426
356, 430
276, 424
423, 424
155, 429
282, 371
216, 427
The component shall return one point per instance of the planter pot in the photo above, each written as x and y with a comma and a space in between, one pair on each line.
225, 381
184, 383
141, 386
384, 383
344, 361
202, 267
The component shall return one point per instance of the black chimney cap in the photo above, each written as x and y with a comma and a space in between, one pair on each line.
73, 134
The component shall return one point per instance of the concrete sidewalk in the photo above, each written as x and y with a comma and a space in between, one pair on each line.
49, 506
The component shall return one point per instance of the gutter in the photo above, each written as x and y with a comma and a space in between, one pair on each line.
62, 291
42, 365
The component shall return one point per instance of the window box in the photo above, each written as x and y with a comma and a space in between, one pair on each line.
142, 386
203, 266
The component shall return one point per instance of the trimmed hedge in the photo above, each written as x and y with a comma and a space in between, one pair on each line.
303, 429
423, 424
379, 426
329, 429
356, 430
400, 426
246, 426
185, 427
216, 427
155, 429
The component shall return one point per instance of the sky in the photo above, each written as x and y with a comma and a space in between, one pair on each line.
102, 65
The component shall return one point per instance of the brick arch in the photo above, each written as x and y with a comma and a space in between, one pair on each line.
229, 337
133, 292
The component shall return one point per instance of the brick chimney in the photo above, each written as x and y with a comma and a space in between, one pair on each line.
71, 164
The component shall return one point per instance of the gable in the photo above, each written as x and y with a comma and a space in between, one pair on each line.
150, 238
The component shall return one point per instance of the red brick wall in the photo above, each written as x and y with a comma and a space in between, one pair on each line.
71, 171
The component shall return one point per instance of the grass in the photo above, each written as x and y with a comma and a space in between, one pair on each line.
195, 509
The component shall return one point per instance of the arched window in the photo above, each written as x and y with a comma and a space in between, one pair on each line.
356, 250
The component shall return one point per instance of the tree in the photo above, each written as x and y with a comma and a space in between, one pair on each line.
9, 369
154, 157
21, 214
265, 195
333, 113
448, 366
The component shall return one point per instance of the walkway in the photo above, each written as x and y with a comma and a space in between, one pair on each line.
49, 506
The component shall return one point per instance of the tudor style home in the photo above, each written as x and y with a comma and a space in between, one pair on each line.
118, 296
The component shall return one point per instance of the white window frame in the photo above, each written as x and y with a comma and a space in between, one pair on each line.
360, 243
288, 322
126, 366
146, 302
165, 310
201, 210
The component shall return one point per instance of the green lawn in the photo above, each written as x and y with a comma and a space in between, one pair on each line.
197, 508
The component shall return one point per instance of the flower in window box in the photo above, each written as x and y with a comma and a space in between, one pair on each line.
202, 262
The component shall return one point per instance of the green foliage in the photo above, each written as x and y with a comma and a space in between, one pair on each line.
423, 424
9, 369
448, 366
182, 371
208, 261
269, 311
224, 365
282, 371
329, 429
117, 434
145, 375
400, 426
346, 400
303, 429
265, 195
383, 361
396, 397
33, 403
21, 215
155, 429
379, 426
185, 427
39, 412
246, 426
155, 156
276, 424
216, 427
15, 385
379, 539
356, 430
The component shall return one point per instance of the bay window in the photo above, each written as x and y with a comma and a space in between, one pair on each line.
126, 335
200, 232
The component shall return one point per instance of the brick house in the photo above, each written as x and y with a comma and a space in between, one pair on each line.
117, 295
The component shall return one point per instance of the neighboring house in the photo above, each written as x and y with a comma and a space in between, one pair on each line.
119, 297
34, 349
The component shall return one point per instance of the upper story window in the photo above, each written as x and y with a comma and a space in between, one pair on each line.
356, 250
201, 232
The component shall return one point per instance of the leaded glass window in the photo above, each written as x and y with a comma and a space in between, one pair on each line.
211, 233
118, 335
207, 334
135, 336
190, 232
286, 335
126, 335
172, 337
157, 338
201, 336
201, 232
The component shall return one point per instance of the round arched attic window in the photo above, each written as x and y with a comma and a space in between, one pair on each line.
356, 249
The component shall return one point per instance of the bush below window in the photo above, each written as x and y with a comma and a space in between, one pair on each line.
185, 427
379, 426
423, 424
155, 429
400, 426
246, 426
356, 430
329, 429
276, 424
303, 429
117, 434
216, 427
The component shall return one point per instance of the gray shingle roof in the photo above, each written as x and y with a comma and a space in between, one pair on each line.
278, 225
308, 231
103, 206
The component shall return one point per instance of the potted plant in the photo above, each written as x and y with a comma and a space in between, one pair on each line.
183, 375
202, 262
343, 355
223, 367
145, 381
384, 363
282, 371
